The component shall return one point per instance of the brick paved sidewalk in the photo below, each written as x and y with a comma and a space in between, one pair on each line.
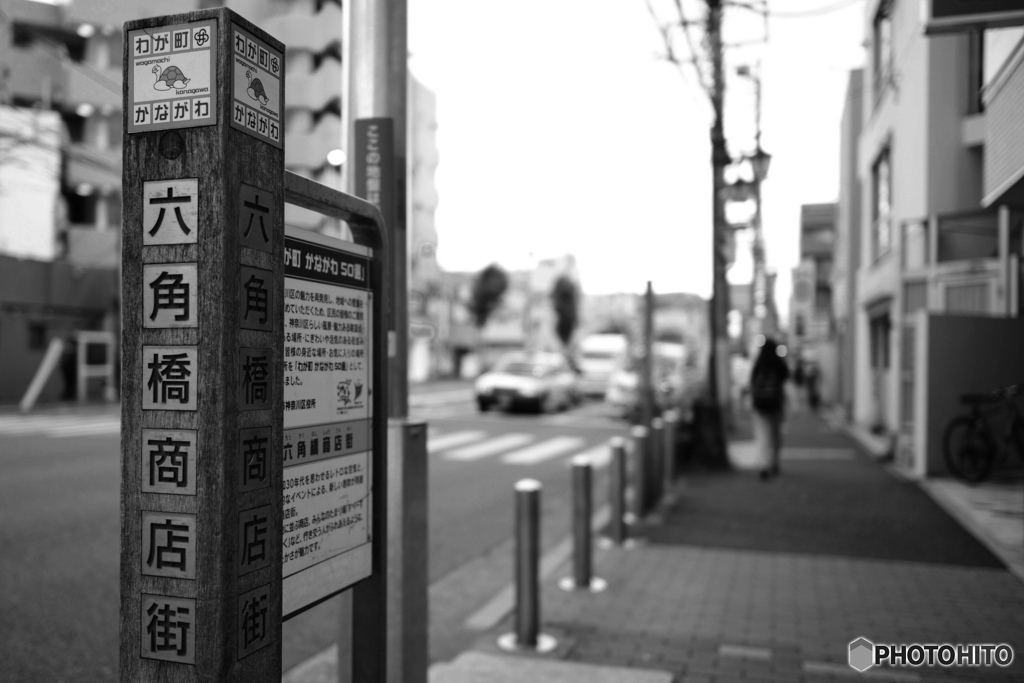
707, 614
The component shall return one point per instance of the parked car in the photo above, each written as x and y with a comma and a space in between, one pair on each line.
600, 355
623, 389
542, 381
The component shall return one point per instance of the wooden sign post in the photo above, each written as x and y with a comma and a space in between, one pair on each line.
202, 394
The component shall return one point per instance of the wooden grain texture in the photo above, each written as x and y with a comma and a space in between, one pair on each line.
221, 158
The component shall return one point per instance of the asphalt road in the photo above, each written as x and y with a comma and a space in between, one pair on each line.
59, 567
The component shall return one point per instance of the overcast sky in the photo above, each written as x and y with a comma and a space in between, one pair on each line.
561, 131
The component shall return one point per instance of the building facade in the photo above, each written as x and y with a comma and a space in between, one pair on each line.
935, 247
846, 261
811, 325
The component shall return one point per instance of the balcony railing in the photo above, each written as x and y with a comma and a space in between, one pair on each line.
964, 262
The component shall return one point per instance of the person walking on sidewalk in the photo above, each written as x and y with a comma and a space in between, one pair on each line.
767, 393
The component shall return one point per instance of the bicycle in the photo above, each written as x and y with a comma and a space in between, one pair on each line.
969, 445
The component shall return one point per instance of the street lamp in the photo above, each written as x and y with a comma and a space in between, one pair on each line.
759, 163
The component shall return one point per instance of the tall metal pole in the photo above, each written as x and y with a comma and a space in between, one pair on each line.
718, 370
647, 362
378, 82
377, 88
759, 300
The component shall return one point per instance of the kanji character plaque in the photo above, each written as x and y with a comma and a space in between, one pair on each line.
170, 295
172, 377
169, 461
169, 211
168, 629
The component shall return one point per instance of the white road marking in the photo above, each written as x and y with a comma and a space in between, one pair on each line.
50, 425
599, 456
109, 427
545, 450
452, 440
490, 447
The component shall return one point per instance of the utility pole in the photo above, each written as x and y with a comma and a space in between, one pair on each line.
718, 366
377, 109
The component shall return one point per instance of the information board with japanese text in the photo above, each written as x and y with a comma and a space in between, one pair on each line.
327, 417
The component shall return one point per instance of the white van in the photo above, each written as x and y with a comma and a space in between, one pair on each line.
599, 356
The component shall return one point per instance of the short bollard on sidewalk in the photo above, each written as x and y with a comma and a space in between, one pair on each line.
618, 531
527, 635
582, 578
668, 453
640, 502
655, 457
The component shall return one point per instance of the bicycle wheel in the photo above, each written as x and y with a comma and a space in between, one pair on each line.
968, 448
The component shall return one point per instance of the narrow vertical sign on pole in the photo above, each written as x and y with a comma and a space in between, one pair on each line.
202, 389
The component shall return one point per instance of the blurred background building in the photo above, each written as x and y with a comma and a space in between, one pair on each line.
926, 276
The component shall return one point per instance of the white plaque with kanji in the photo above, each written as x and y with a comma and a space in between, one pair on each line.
170, 211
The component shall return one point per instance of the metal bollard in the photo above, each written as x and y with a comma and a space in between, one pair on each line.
582, 552
617, 492
669, 450
654, 462
640, 443
527, 635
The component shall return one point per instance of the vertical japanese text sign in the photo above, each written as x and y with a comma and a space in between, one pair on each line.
202, 402
374, 165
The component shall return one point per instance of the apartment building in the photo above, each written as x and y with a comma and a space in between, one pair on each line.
846, 257
937, 285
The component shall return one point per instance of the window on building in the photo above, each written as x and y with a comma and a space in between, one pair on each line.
881, 56
81, 209
36, 336
975, 71
823, 298
998, 46
881, 209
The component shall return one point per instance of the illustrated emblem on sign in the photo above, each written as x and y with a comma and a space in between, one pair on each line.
255, 89
345, 392
171, 77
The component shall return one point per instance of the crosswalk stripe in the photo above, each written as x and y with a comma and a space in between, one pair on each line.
85, 430
599, 456
545, 450
442, 442
489, 447
53, 426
